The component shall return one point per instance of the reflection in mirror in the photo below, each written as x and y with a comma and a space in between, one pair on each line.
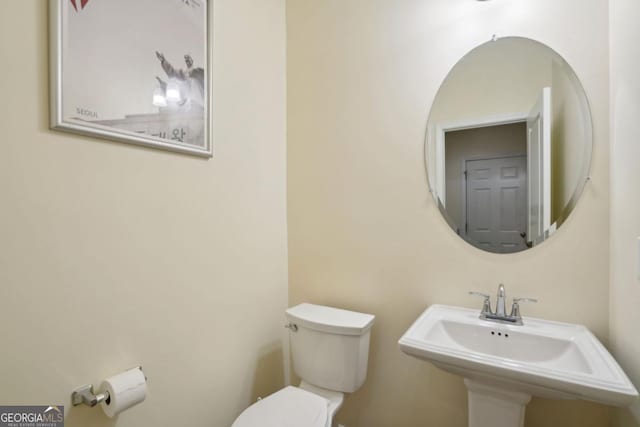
508, 144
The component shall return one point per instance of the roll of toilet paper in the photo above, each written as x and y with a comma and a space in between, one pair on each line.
125, 390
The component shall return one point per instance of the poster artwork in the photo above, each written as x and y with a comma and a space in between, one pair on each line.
137, 67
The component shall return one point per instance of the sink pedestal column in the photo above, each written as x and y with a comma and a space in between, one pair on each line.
495, 406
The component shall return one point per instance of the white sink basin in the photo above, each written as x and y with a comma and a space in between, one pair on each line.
541, 357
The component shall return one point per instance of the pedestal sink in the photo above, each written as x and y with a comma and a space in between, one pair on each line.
504, 365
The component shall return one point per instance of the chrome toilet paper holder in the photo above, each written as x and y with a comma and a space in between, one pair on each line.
85, 395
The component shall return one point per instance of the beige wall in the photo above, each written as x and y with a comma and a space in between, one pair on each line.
625, 200
114, 255
364, 232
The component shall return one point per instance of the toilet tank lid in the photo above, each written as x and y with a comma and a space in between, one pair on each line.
330, 319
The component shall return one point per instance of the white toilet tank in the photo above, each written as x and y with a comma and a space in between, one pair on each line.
330, 347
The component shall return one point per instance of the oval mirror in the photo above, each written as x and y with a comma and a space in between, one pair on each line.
508, 144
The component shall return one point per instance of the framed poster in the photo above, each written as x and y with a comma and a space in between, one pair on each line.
135, 71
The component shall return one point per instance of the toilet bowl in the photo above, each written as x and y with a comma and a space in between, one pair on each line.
289, 407
330, 353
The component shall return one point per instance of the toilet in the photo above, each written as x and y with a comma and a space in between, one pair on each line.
330, 352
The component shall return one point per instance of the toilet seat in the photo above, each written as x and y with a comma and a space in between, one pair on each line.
289, 407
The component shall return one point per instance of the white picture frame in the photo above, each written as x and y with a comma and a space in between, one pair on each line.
134, 71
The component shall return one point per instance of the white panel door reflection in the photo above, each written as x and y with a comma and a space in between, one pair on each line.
496, 203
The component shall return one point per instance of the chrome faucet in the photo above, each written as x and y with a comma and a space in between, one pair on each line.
500, 315
500, 304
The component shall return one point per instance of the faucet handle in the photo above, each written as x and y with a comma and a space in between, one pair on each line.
486, 306
518, 300
515, 308
479, 294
